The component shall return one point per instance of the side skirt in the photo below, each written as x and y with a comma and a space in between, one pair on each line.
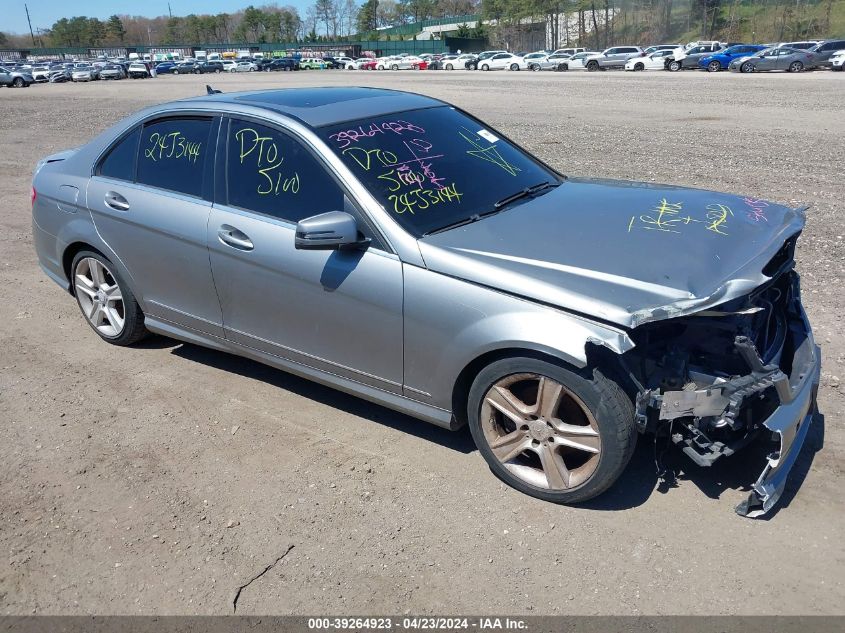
422, 411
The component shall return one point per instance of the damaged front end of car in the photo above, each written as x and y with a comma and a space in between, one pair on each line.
716, 380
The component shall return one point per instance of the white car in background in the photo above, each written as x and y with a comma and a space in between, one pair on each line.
246, 67
355, 64
655, 61
837, 61
383, 63
503, 61
459, 63
40, 73
578, 61
229, 65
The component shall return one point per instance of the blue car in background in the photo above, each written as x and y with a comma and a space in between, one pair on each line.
721, 60
165, 67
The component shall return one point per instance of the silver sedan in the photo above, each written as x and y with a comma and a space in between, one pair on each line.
397, 248
783, 58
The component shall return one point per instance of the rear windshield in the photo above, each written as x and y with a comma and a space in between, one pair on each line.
430, 168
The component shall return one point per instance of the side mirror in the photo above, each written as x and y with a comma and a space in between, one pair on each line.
327, 231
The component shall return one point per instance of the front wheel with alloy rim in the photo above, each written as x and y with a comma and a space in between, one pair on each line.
514, 66
592, 66
747, 67
714, 66
106, 303
485, 67
674, 66
551, 432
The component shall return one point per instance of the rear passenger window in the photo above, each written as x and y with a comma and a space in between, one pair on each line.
119, 162
270, 172
173, 154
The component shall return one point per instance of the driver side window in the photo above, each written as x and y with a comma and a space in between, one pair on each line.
272, 173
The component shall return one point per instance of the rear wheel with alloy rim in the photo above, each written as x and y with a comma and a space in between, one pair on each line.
485, 67
450, 67
551, 432
796, 67
514, 66
106, 303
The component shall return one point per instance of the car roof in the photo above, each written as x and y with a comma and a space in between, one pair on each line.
317, 107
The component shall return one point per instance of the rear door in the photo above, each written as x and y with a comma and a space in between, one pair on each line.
150, 198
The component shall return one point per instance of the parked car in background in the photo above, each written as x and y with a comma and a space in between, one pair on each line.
836, 60
408, 62
112, 71
338, 63
283, 64
139, 70
246, 67
165, 68
456, 62
503, 61
312, 63
824, 50
722, 59
688, 57
555, 62
59, 76
568, 51
229, 65
613, 57
536, 56
578, 61
802, 46
789, 60
39, 73
659, 47
84, 73
472, 64
656, 60
211, 67
15, 78
187, 68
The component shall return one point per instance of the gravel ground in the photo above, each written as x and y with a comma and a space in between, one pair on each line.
164, 478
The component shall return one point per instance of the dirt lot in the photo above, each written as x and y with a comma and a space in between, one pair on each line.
163, 478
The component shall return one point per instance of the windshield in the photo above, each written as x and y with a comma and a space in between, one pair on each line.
434, 167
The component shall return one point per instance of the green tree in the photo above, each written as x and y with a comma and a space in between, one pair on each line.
115, 28
4, 41
368, 16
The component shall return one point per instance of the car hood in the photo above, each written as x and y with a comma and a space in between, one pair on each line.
622, 252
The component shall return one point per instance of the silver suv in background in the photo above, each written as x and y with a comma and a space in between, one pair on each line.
614, 57
15, 78
823, 51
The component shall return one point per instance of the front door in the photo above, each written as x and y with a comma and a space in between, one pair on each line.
150, 201
339, 311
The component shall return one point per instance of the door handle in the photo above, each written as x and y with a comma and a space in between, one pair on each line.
235, 238
116, 201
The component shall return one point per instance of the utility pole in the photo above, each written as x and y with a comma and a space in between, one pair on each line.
168, 10
31, 34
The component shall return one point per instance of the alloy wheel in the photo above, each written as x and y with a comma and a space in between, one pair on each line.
540, 431
99, 297
796, 67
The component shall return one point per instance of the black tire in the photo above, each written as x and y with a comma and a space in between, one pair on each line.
795, 67
394, 67
485, 67
592, 66
133, 328
714, 66
639, 67
746, 67
608, 403
175, 72
563, 67
674, 66
514, 66
450, 67
18, 82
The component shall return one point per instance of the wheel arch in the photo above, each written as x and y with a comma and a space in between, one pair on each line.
75, 246
463, 383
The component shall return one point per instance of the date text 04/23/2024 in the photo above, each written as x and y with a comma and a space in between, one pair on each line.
432, 623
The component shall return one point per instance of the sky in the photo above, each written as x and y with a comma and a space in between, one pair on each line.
45, 12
